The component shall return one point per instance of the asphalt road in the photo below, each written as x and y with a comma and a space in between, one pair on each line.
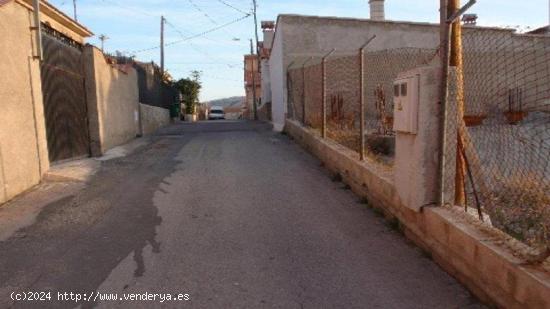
231, 214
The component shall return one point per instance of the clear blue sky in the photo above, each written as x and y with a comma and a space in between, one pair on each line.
134, 25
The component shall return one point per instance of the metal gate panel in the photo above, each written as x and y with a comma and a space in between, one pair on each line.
63, 88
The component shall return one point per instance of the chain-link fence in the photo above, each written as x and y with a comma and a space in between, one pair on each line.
498, 133
344, 87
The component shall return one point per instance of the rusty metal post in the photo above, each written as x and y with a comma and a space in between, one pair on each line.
444, 96
362, 104
362, 97
324, 93
451, 55
456, 61
304, 97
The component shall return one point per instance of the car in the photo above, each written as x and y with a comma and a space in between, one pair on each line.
216, 113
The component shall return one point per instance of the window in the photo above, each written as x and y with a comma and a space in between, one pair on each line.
396, 90
404, 89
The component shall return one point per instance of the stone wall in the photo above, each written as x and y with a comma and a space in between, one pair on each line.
152, 118
264, 112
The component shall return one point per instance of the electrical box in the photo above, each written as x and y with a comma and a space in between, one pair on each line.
405, 100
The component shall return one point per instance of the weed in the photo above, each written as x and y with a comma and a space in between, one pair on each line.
395, 225
378, 212
426, 254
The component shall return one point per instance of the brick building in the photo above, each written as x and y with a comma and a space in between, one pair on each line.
251, 78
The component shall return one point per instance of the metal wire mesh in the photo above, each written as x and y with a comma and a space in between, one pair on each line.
343, 89
342, 93
381, 70
505, 129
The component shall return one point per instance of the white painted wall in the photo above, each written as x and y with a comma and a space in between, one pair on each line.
266, 82
278, 82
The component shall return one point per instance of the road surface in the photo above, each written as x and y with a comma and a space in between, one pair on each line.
231, 214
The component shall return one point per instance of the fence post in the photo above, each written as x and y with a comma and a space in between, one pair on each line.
362, 97
451, 55
324, 94
304, 97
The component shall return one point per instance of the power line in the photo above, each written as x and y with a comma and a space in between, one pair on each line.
131, 8
233, 7
195, 35
203, 12
193, 46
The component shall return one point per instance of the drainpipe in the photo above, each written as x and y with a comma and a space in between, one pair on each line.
37, 30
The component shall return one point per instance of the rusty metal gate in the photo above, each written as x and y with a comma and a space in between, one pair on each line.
64, 94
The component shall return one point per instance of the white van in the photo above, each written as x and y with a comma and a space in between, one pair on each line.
216, 113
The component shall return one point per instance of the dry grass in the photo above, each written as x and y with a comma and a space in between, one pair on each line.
520, 206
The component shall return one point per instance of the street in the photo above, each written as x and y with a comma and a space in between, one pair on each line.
230, 213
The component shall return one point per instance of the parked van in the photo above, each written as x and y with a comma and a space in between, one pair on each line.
216, 113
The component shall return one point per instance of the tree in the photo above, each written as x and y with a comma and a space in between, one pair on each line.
190, 89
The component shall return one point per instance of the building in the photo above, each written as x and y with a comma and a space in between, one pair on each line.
264, 110
541, 31
24, 154
252, 79
62, 99
301, 39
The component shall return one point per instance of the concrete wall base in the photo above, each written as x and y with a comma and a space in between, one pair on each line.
152, 118
474, 256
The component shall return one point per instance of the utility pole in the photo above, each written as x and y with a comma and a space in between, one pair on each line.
253, 71
451, 56
445, 33
456, 61
255, 9
103, 38
74, 10
162, 45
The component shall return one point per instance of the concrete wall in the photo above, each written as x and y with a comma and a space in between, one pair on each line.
266, 82
23, 146
152, 118
278, 81
113, 102
264, 112
416, 155
488, 262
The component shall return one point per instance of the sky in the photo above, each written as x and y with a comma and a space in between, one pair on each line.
133, 27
